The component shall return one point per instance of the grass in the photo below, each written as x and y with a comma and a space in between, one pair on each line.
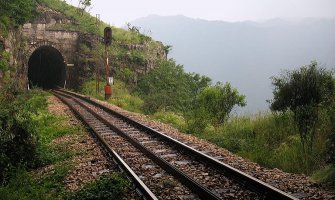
46, 127
326, 175
172, 119
108, 186
120, 95
87, 23
55, 158
270, 139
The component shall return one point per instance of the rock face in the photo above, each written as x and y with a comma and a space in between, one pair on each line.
77, 49
64, 41
43, 31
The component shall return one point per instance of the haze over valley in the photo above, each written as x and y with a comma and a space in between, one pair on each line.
246, 54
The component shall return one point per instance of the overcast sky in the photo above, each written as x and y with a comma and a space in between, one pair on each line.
119, 12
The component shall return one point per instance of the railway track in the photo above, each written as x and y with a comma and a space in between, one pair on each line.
160, 166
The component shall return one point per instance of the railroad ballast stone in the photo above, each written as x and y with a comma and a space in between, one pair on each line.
299, 185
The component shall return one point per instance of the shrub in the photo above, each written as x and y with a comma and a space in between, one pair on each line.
218, 101
18, 138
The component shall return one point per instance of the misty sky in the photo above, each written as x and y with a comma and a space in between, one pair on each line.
117, 13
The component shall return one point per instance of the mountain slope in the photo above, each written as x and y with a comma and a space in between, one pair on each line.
246, 54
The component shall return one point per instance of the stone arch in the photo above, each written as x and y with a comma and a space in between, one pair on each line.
46, 67
33, 45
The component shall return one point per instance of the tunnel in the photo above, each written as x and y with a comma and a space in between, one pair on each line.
46, 68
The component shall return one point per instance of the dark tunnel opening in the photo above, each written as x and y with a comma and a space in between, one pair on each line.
46, 68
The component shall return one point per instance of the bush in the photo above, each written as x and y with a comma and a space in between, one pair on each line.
18, 139
218, 101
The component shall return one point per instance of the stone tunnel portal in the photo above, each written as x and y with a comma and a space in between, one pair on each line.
46, 68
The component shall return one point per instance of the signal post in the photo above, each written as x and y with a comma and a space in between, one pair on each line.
107, 41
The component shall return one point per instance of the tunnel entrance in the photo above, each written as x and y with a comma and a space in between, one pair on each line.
46, 68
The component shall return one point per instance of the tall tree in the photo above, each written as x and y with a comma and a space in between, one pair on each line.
304, 91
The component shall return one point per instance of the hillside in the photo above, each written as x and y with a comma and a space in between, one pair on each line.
247, 53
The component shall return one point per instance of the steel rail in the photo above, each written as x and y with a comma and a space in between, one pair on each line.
268, 191
202, 191
147, 194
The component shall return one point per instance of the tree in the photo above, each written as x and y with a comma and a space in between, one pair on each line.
331, 139
167, 49
304, 91
219, 100
83, 5
169, 87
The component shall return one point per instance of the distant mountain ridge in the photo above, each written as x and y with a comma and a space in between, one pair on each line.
247, 53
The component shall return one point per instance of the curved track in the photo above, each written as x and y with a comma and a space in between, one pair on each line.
165, 167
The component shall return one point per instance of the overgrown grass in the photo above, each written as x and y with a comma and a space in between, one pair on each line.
270, 139
171, 118
23, 186
108, 186
34, 118
120, 95
326, 175
22, 181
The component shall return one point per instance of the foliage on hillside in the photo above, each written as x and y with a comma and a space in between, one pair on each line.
27, 130
14, 13
169, 87
187, 101
130, 54
274, 139
307, 93
120, 95
87, 23
270, 139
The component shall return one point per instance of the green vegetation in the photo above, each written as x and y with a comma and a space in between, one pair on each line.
87, 23
273, 139
84, 21
169, 117
306, 92
217, 102
326, 175
298, 136
14, 13
27, 132
110, 186
169, 87
270, 139
120, 95
129, 53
